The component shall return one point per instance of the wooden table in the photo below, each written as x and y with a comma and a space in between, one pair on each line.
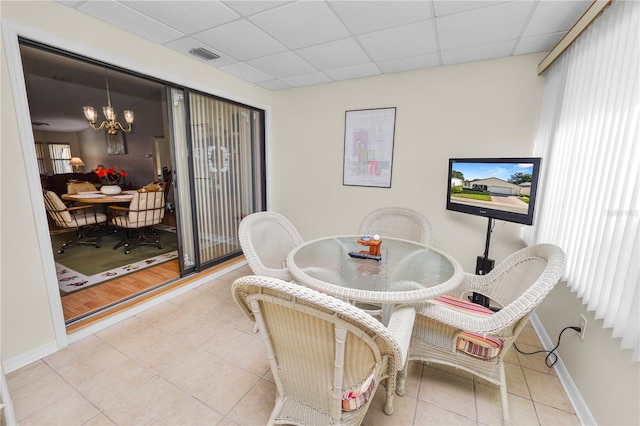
96, 197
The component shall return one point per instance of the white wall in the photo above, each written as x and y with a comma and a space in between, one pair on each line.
482, 109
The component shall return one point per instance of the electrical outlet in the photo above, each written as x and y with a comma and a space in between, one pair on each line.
583, 326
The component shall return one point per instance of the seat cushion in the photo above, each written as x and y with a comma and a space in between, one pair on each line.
484, 347
356, 398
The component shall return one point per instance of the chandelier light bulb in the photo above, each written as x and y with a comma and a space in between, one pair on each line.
110, 123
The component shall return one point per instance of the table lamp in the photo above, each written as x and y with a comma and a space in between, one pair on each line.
76, 162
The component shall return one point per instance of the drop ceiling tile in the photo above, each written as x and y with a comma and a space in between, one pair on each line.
541, 43
477, 53
408, 40
448, 7
335, 54
184, 45
555, 16
246, 72
406, 64
307, 80
240, 40
362, 17
248, 8
274, 85
187, 17
285, 64
358, 71
130, 20
301, 24
483, 26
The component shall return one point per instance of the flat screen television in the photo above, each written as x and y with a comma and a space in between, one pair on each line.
498, 188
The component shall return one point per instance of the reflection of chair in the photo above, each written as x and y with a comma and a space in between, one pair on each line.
76, 187
266, 239
398, 222
82, 218
326, 356
145, 210
450, 330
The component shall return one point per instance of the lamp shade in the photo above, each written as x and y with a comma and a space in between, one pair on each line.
76, 161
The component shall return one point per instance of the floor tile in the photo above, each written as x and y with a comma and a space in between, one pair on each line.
145, 404
70, 408
196, 360
189, 411
547, 390
550, 416
225, 388
429, 414
448, 391
256, 406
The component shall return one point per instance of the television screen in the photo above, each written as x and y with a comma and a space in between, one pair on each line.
499, 188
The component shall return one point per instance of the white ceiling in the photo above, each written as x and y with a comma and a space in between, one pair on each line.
283, 44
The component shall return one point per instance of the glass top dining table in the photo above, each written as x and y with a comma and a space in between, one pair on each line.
408, 272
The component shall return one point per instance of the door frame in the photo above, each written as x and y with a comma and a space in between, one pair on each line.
12, 31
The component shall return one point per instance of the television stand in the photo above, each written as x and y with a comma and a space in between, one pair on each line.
484, 265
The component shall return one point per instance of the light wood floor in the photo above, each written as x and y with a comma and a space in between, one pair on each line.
95, 298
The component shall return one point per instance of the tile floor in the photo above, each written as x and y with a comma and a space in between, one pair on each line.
194, 361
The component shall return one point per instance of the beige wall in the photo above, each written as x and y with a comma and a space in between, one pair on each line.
488, 108
482, 109
606, 377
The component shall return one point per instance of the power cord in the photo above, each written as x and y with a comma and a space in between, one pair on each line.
552, 351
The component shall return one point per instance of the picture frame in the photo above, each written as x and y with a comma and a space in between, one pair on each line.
368, 147
116, 144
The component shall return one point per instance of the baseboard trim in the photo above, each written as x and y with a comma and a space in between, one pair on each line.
578, 404
26, 358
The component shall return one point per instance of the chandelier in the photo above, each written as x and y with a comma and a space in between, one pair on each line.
110, 123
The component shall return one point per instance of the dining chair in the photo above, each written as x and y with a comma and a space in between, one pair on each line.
77, 187
266, 239
145, 210
398, 222
395, 222
327, 357
83, 218
453, 331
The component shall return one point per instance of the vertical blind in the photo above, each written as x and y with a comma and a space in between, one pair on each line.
589, 139
223, 151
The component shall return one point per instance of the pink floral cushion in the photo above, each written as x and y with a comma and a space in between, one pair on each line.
484, 347
356, 398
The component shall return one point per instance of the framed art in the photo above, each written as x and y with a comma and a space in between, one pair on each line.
115, 144
368, 147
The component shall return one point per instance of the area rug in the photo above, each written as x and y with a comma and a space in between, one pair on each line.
80, 267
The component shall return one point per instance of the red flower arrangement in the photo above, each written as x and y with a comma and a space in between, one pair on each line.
110, 176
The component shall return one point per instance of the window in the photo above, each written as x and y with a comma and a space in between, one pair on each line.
40, 158
60, 154
590, 204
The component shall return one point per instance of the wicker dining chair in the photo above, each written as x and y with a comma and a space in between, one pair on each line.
398, 222
327, 357
84, 219
266, 239
453, 331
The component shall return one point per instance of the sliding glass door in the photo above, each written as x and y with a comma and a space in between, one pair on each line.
219, 149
